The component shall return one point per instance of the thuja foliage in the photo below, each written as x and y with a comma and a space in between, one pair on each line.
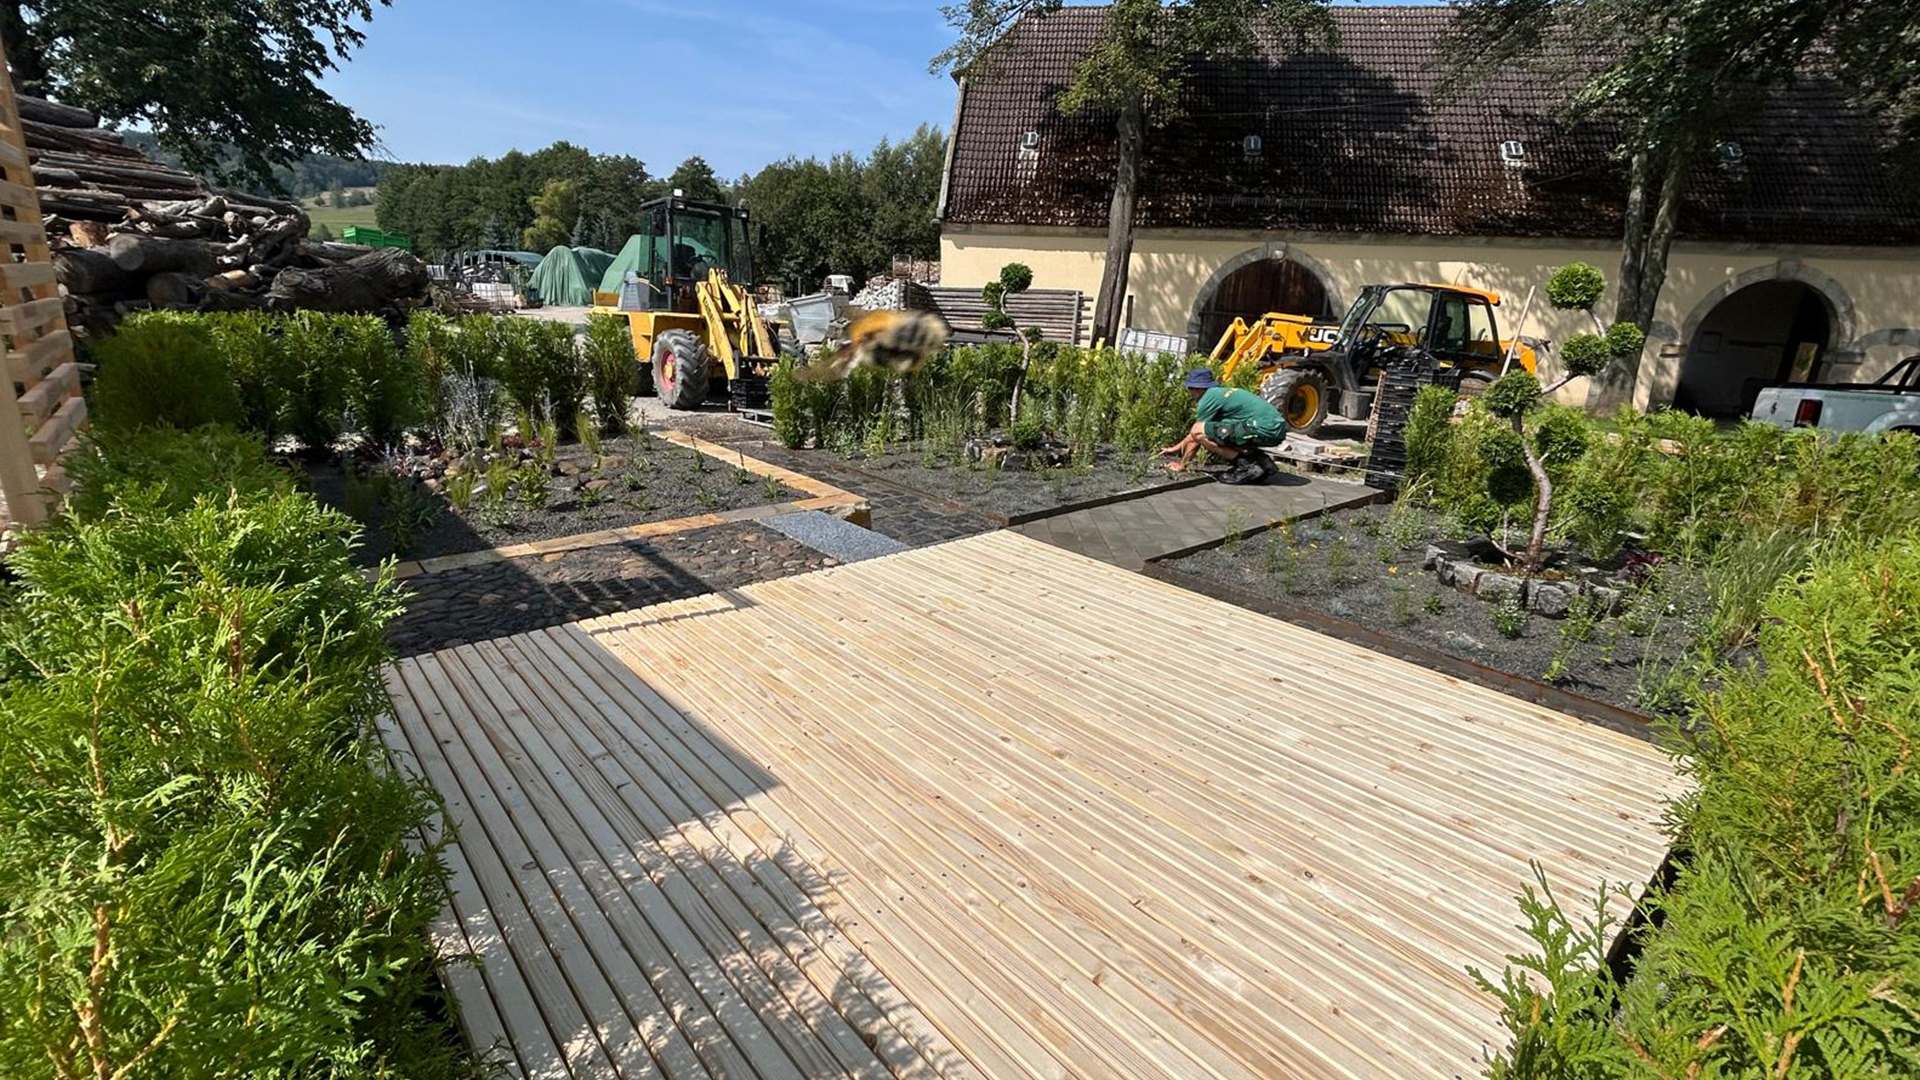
1080, 395
317, 376
170, 468
162, 369
204, 859
1789, 945
1687, 488
611, 368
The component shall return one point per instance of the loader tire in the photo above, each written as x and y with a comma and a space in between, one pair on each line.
1301, 396
682, 369
1474, 383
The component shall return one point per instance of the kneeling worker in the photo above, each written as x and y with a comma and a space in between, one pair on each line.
1233, 425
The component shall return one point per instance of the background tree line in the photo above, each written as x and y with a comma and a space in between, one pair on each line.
847, 215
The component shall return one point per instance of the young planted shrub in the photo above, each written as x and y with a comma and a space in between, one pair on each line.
611, 365
522, 364
383, 387
1603, 492
543, 373
431, 352
1789, 945
1429, 433
204, 856
162, 370
791, 423
250, 343
317, 396
169, 468
1483, 480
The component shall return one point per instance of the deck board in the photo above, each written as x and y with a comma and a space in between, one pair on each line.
994, 809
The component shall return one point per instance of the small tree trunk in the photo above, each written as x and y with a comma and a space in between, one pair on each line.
1543, 486
1126, 196
1019, 384
1666, 218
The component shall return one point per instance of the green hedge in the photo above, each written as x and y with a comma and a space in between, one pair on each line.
191, 786
1082, 396
1789, 944
1706, 492
317, 376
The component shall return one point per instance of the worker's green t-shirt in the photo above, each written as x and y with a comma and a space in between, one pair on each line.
1240, 418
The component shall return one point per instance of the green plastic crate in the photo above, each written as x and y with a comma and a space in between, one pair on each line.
360, 234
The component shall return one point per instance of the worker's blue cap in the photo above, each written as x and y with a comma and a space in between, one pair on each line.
1201, 379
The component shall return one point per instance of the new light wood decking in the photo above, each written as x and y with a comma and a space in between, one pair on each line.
991, 809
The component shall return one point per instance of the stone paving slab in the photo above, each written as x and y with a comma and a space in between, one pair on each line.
829, 535
1128, 534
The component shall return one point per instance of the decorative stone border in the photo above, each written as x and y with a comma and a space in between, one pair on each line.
821, 496
1550, 599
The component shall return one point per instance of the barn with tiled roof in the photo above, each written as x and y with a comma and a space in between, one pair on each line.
1297, 173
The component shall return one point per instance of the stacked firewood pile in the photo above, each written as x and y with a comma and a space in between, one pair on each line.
129, 234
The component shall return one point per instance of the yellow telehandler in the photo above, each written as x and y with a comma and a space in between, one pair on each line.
685, 291
1312, 369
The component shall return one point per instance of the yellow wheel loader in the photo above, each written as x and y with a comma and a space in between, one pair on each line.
686, 295
1310, 370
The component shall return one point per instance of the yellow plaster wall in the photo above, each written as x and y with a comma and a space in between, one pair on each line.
1170, 269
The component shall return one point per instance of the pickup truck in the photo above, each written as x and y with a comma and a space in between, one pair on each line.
1890, 403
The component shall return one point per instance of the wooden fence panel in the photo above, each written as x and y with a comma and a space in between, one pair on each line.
41, 409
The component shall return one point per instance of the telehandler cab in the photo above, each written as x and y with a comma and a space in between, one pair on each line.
1312, 369
687, 298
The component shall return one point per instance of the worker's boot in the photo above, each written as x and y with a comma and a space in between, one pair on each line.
1250, 467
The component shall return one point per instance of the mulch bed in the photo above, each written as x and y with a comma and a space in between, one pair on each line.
1363, 566
636, 480
1013, 493
514, 596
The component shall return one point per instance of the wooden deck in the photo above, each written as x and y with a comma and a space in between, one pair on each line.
993, 809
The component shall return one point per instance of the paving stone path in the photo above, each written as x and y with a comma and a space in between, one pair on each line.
478, 603
1127, 534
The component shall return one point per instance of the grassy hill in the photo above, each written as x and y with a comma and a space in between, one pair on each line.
339, 218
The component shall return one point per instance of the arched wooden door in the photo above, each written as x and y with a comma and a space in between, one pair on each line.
1280, 285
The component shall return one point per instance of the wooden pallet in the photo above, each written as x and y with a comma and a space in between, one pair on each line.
41, 408
964, 812
1063, 315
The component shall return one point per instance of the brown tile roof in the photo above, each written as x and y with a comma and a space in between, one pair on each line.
1358, 139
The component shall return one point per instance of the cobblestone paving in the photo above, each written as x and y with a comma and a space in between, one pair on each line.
456, 607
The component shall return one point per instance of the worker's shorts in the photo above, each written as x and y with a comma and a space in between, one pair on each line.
1234, 433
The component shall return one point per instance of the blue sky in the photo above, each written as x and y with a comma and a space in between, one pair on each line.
741, 83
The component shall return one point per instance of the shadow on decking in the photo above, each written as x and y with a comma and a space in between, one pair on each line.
632, 902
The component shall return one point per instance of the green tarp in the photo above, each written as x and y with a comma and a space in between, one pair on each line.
631, 260
634, 259
566, 277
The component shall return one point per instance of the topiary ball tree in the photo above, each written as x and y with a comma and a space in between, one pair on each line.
1625, 340
1015, 278
1513, 397
1576, 287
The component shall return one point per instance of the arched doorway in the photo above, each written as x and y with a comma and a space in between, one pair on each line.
1253, 290
1770, 331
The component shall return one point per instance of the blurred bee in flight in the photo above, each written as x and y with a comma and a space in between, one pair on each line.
897, 342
